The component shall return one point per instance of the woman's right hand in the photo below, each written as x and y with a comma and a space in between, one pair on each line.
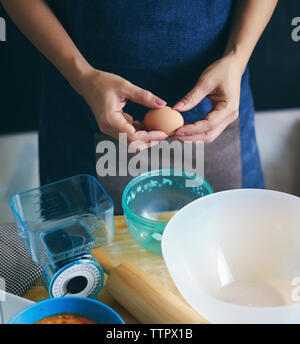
107, 95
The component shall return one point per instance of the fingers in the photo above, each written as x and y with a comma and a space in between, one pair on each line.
143, 135
138, 125
202, 89
211, 127
206, 137
122, 123
128, 118
212, 120
116, 123
107, 103
145, 139
141, 96
148, 136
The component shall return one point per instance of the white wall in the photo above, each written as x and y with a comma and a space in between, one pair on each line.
18, 168
278, 136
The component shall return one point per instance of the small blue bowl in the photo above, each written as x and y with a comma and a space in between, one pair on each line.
150, 200
92, 309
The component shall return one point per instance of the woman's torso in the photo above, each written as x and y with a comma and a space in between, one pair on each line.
162, 46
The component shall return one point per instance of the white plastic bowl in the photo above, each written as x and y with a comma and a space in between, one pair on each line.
235, 256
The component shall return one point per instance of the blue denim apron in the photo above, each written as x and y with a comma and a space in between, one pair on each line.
162, 46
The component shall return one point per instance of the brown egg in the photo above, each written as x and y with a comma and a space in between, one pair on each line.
164, 119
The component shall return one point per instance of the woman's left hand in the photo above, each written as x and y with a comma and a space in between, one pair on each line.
221, 83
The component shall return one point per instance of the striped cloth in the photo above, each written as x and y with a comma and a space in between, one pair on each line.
17, 270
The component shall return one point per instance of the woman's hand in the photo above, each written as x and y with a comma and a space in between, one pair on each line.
221, 83
107, 95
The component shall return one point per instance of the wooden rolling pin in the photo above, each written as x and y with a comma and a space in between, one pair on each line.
145, 298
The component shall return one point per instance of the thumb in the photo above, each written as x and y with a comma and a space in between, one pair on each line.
194, 97
143, 97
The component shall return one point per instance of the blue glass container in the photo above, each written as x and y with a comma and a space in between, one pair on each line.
150, 200
59, 224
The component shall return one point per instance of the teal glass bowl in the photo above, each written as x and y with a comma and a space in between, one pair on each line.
150, 200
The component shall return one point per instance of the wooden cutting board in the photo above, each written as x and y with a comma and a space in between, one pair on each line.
123, 249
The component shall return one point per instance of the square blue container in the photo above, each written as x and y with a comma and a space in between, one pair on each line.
64, 219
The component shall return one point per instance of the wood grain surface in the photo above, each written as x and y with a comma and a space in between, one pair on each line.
123, 249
